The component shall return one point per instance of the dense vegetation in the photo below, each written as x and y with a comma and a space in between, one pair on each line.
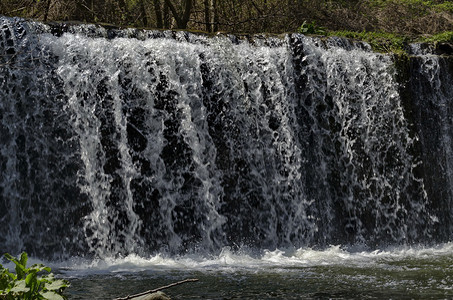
32, 283
401, 17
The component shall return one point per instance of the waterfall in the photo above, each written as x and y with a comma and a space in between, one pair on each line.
127, 141
432, 94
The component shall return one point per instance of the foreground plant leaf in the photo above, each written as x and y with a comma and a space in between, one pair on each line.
20, 287
27, 284
51, 295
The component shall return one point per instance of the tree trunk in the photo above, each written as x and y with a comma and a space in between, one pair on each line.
186, 14
215, 14
124, 11
158, 11
207, 15
182, 18
166, 16
46, 12
143, 13
210, 15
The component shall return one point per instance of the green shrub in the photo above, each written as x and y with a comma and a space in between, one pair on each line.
446, 36
379, 41
311, 28
29, 283
446, 7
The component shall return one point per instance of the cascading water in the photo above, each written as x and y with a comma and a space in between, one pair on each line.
118, 142
432, 93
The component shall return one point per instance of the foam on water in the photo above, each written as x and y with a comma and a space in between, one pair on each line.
267, 261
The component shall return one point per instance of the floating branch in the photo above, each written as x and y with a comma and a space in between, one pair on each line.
156, 290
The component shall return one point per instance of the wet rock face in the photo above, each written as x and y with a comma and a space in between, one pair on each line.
444, 49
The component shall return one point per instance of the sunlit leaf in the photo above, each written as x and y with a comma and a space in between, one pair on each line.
56, 285
50, 295
20, 287
40, 267
27, 284
23, 259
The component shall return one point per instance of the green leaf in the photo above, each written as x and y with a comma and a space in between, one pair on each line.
40, 267
20, 287
20, 268
56, 285
23, 259
27, 285
9, 256
50, 295
5, 279
30, 280
12, 276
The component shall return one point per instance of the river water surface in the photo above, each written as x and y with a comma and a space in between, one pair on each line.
334, 273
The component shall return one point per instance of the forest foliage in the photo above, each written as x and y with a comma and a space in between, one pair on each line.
405, 17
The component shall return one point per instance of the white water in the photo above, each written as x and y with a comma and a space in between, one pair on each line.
365, 108
247, 261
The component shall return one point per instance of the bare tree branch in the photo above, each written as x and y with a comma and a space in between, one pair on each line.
156, 290
16, 10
